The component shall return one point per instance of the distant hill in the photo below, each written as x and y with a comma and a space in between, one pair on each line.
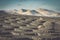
37, 12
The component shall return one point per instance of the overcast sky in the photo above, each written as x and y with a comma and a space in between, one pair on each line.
30, 4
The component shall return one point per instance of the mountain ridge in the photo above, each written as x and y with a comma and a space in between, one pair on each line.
37, 12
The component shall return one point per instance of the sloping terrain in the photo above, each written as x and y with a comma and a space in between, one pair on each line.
28, 27
36, 12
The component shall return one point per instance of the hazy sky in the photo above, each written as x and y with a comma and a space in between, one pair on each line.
30, 4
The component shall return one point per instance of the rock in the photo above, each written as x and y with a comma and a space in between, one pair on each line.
48, 24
